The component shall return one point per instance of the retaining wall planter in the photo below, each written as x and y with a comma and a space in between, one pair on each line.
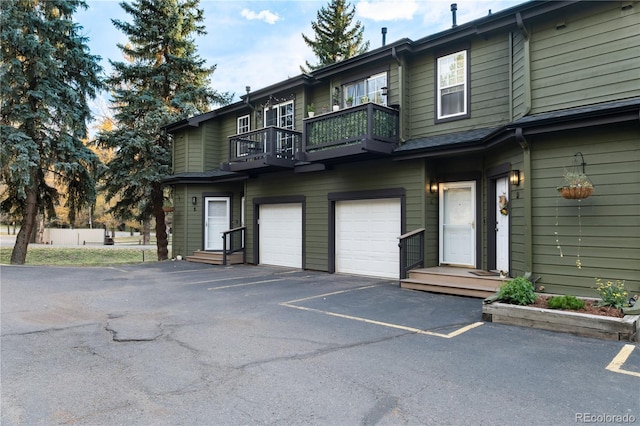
624, 329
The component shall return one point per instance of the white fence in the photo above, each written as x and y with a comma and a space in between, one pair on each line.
74, 237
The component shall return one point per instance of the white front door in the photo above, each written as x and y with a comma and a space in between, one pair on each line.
502, 224
216, 220
457, 224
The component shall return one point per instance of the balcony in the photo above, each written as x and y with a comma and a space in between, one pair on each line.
364, 129
267, 148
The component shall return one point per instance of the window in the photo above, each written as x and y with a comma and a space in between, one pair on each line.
243, 124
365, 90
280, 115
452, 85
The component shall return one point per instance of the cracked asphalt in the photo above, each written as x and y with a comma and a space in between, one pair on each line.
176, 343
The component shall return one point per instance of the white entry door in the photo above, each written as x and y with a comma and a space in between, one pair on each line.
216, 220
502, 224
457, 224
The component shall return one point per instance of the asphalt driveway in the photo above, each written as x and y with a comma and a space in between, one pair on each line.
181, 343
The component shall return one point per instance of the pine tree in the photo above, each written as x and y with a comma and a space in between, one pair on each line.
335, 39
47, 75
162, 81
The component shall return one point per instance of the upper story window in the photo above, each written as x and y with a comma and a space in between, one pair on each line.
280, 115
452, 85
244, 124
366, 90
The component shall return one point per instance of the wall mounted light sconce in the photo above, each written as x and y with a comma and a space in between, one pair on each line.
433, 187
385, 91
194, 201
514, 177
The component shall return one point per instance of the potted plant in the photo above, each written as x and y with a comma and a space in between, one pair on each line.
311, 110
350, 101
576, 186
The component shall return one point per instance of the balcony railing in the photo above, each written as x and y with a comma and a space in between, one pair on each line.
369, 127
270, 146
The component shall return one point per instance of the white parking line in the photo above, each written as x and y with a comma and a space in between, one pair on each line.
244, 284
619, 360
290, 304
224, 279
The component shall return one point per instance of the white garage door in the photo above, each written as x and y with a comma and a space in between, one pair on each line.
367, 237
281, 234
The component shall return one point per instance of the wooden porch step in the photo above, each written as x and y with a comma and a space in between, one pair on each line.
457, 281
214, 257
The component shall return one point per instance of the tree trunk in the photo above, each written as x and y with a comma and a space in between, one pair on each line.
162, 243
146, 232
19, 253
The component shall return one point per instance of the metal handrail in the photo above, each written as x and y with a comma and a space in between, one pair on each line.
232, 246
411, 251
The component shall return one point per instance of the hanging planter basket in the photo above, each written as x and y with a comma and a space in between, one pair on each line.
576, 184
575, 192
167, 209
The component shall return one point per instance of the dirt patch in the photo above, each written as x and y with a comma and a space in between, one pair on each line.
590, 307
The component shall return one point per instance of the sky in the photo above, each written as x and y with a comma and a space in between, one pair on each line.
257, 43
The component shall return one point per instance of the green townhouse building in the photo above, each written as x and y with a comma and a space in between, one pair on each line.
441, 155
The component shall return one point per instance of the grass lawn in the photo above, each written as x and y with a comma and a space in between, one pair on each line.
80, 256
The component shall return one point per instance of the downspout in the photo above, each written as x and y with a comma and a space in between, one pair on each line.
394, 55
527, 231
510, 76
527, 64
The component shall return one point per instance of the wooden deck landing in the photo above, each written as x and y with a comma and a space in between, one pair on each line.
214, 257
453, 280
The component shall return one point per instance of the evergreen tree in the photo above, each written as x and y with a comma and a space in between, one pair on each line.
163, 81
46, 76
335, 39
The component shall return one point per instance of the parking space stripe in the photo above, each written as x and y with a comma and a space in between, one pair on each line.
330, 294
224, 279
244, 284
616, 364
290, 304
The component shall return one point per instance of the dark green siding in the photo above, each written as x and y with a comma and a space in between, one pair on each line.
187, 222
180, 153
594, 58
489, 90
373, 175
608, 239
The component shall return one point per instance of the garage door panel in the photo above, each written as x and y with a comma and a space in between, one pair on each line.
366, 237
281, 235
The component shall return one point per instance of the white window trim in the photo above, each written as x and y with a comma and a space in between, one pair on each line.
465, 85
279, 116
239, 127
376, 96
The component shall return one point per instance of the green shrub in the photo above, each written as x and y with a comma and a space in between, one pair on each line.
565, 302
612, 294
518, 291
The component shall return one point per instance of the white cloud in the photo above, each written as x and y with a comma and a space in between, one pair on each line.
263, 15
387, 10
